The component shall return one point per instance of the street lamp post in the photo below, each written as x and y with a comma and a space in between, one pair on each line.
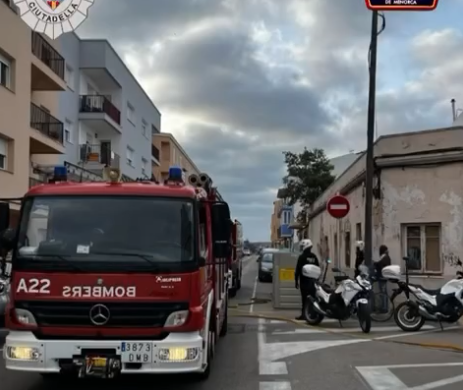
370, 166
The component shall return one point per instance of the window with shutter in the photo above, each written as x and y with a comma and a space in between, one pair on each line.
3, 153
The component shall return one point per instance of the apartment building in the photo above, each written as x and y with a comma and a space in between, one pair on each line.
31, 84
166, 151
108, 117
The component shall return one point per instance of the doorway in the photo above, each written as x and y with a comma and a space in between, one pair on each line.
347, 245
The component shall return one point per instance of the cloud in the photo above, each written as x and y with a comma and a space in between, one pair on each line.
239, 81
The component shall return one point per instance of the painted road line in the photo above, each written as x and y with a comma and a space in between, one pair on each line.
283, 385
274, 352
346, 330
273, 368
382, 378
267, 366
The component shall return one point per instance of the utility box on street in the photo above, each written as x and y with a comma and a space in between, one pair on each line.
285, 295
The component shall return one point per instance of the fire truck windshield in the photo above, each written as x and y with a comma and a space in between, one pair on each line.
84, 232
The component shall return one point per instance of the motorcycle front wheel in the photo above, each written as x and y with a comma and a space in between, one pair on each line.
363, 313
311, 316
407, 318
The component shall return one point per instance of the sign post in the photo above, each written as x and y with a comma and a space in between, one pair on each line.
338, 206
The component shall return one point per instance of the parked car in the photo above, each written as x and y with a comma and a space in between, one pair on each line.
247, 252
265, 260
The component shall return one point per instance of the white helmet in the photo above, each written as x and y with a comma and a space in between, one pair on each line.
306, 243
360, 245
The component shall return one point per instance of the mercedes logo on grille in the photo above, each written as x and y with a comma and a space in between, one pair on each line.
99, 315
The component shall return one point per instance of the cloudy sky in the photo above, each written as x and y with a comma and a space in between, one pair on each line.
239, 81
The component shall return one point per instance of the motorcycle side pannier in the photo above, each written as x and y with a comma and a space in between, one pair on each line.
311, 271
391, 272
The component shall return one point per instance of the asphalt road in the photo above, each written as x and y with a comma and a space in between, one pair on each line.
275, 355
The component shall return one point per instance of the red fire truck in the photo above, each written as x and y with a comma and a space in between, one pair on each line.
236, 265
117, 278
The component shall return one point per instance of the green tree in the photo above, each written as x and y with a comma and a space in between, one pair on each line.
308, 175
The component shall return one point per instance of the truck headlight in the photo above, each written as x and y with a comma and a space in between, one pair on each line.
177, 318
22, 353
178, 354
25, 317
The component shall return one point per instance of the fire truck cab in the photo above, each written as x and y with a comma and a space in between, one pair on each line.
113, 278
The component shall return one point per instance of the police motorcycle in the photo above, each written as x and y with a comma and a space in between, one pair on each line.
443, 305
350, 298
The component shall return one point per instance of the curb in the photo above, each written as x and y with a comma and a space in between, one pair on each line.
431, 345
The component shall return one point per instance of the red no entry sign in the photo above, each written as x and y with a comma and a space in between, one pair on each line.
338, 206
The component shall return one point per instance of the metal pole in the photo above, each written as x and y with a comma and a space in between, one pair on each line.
370, 142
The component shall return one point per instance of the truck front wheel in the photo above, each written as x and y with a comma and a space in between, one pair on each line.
202, 376
224, 329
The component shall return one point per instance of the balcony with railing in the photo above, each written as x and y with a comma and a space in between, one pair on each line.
48, 66
155, 153
100, 113
98, 156
47, 132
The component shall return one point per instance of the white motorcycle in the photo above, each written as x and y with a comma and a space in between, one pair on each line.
351, 297
443, 305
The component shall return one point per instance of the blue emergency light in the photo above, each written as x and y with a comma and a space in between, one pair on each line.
60, 173
175, 174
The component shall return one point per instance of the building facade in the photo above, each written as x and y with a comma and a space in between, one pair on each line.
275, 223
108, 118
417, 205
31, 86
285, 232
166, 152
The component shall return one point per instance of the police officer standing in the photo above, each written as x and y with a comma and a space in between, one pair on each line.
306, 285
359, 256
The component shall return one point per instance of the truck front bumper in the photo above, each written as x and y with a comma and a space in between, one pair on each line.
24, 352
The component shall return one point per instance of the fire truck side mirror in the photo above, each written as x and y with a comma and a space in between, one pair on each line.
221, 229
4, 216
